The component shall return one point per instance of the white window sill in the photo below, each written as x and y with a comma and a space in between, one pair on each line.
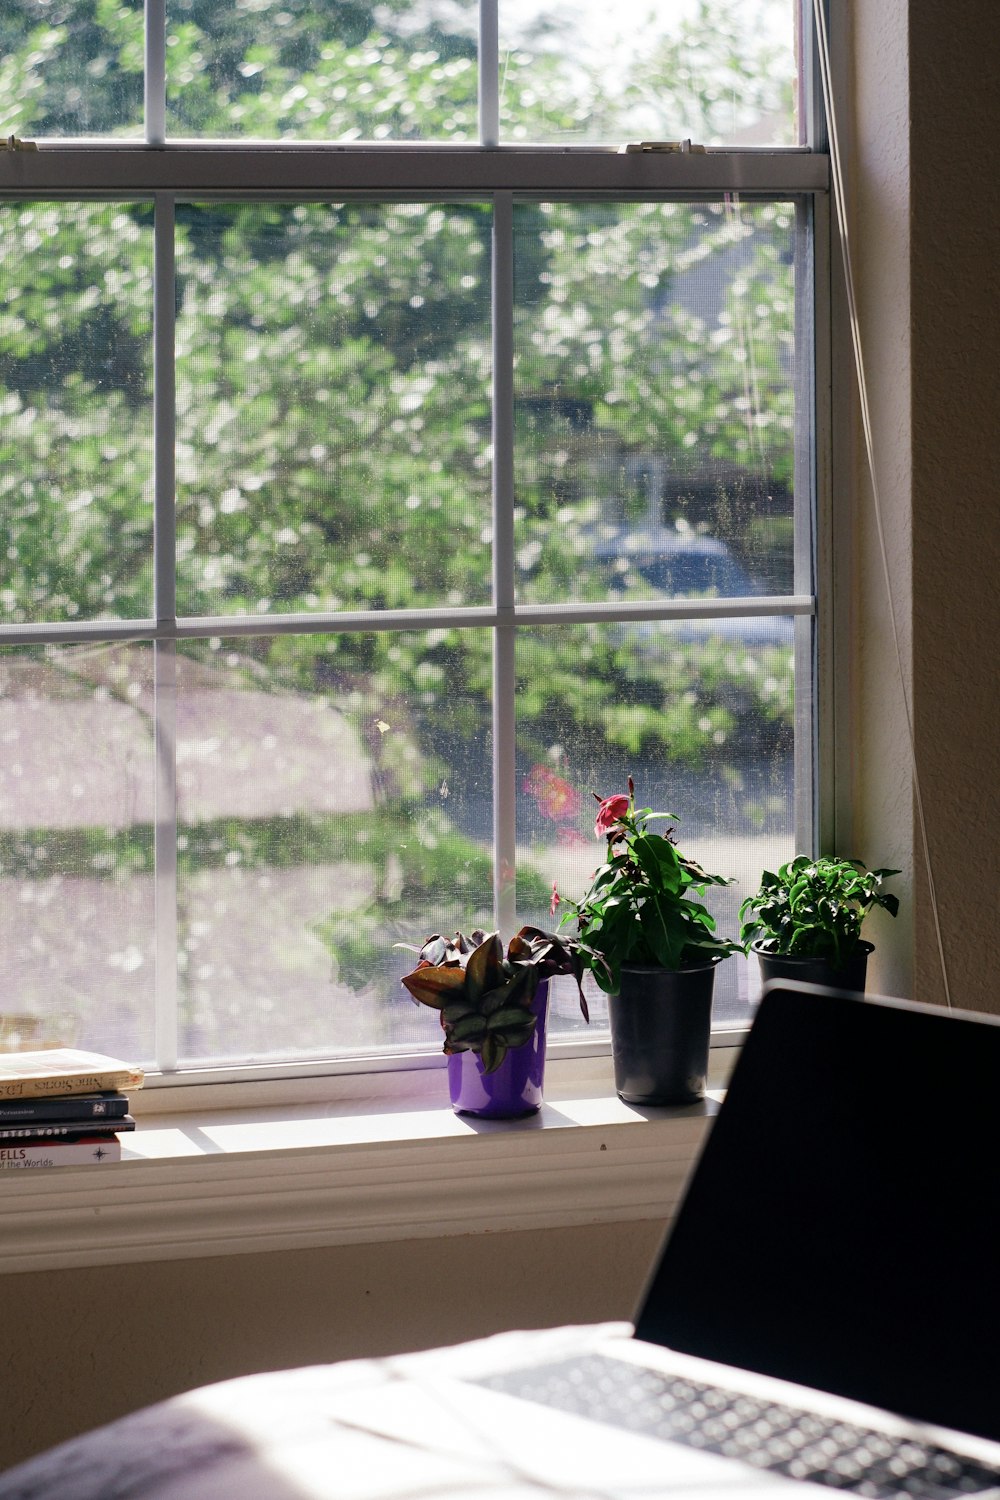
379, 1165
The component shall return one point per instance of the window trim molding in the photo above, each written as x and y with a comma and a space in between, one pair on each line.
415, 1174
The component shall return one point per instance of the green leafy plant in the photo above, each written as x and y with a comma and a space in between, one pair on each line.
640, 907
484, 997
814, 908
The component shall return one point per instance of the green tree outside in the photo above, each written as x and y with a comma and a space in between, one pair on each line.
333, 420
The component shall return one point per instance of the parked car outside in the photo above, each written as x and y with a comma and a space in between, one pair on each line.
688, 565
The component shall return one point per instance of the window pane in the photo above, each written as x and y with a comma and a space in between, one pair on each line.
717, 72
75, 386
334, 798
70, 68
700, 714
654, 399
332, 407
330, 71
76, 848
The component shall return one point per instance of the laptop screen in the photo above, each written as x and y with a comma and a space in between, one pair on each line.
842, 1226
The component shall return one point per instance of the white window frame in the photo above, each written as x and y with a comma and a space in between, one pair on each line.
227, 170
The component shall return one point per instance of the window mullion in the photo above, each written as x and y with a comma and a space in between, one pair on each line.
165, 599
165, 847
489, 74
504, 635
805, 482
164, 655
155, 76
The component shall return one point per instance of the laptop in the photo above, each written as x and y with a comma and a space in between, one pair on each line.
826, 1305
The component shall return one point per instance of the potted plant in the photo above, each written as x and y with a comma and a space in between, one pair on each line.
493, 1008
805, 921
653, 947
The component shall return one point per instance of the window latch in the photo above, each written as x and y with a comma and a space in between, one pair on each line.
15, 143
684, 147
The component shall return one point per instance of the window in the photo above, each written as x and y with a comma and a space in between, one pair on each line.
388, 461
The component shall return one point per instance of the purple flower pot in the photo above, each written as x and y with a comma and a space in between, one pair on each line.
515, 1088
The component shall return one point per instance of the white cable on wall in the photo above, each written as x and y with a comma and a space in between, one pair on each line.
837, 176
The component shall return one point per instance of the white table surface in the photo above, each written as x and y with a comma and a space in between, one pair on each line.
404, 1428
414, 1428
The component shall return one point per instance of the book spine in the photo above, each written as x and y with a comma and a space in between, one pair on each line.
65, 1129
59, 1154
74, 1107
58, 1086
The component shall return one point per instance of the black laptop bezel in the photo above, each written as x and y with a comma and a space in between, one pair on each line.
840, 1224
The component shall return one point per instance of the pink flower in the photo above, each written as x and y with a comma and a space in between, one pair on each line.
555, 797
609, 814
556, 898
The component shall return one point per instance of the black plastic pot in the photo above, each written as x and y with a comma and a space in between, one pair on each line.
661, 1022
816, 970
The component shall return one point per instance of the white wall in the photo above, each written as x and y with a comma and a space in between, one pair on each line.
926, 225
955, 328
86, 1346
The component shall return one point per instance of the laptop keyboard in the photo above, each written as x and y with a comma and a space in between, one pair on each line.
796, 1443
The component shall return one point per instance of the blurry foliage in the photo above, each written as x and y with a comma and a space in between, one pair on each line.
332, 387
440, 876
724, 77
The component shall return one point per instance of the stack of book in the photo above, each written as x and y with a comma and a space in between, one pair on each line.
60, 1107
